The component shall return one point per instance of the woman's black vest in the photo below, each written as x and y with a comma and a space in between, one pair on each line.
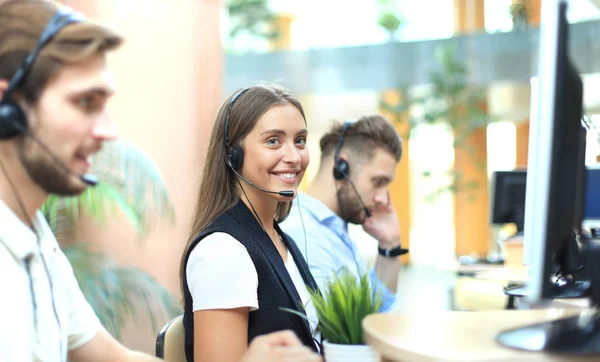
275, 287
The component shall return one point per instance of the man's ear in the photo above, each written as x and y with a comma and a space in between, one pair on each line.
343, 156
3, 87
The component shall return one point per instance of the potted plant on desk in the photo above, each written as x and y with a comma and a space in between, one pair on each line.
341, 307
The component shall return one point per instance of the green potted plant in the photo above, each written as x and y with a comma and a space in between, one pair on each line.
130, 183
341, 307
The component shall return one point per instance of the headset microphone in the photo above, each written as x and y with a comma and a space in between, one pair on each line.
286, 193
88, 179
367, 211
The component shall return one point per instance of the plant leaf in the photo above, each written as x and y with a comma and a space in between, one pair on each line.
116, 292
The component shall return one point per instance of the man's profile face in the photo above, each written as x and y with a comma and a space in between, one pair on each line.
371, 178
70, 119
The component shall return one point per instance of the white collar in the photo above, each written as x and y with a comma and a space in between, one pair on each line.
17, 237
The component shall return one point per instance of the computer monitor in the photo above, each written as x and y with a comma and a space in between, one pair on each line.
556, 168
508, 205
508, 198
555, 190
592, 196
591, 215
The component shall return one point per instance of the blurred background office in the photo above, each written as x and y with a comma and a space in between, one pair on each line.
455, 76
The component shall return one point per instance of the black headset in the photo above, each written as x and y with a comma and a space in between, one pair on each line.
234, 154
341, 168
13, 121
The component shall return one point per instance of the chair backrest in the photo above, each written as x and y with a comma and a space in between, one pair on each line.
170, 342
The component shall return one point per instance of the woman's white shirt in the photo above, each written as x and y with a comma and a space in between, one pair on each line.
221, 275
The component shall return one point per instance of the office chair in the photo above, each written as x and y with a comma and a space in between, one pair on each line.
170, 342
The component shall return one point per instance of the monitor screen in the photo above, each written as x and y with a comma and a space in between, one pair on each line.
508, 200
592, 196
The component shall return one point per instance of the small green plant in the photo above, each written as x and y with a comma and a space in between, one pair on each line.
345, 302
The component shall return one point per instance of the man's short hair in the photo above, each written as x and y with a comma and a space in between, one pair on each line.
363, 138
22, 23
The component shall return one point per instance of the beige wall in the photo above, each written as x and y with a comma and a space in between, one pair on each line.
169, 77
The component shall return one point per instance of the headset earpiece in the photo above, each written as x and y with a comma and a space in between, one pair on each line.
12, 119
341, 168
235, 157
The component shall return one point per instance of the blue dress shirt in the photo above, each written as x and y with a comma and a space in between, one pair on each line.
325, 243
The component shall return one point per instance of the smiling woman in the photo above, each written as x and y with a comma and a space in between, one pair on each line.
239, 269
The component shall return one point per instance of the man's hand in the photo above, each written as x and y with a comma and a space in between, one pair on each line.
384, 226
279, 347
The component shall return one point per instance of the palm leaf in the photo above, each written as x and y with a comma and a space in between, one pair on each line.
99, 202
130, 182
137, 178
118, 293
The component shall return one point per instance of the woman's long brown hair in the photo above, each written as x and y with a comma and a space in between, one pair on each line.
218, 186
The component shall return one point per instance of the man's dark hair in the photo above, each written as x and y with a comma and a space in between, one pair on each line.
363, 138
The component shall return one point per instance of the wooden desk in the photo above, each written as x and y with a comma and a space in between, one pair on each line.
518, 275
510, 274
455, 336
514, 251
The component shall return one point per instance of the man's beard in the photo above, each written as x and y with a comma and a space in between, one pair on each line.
46, 172
351, 209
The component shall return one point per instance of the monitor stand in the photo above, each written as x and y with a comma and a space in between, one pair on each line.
561, 290
576, 335
568, 260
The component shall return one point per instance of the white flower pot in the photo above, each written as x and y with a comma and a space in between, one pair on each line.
349, 353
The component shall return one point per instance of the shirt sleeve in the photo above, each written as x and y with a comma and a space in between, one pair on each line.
389, 298
221, 275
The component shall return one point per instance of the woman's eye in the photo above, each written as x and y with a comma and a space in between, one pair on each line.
301, 141
272, 141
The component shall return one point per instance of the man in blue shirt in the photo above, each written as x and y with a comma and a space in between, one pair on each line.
358, 162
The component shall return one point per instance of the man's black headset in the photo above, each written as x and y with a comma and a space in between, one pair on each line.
341, 171
234, 155
341, 168
13, 121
